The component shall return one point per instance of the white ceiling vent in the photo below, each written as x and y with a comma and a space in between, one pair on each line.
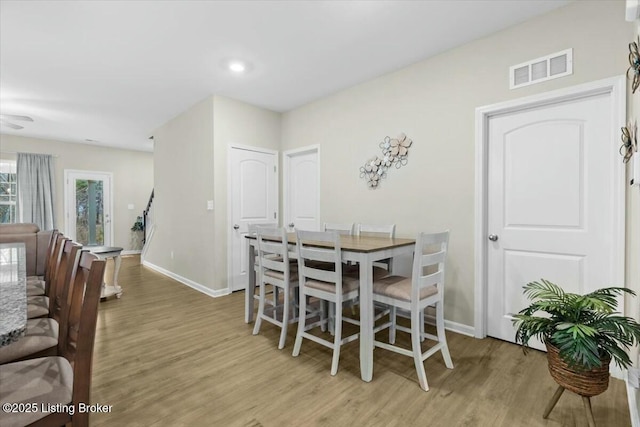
539, 70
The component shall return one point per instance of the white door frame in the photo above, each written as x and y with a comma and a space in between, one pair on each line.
286, 167
230, 201
616, 87
69, 205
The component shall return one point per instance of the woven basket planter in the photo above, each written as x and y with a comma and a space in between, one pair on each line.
585, 383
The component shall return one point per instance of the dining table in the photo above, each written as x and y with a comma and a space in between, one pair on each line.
13, 292
363, 250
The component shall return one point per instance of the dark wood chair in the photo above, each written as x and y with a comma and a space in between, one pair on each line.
38, 305
63, 381
42, 335
40, 287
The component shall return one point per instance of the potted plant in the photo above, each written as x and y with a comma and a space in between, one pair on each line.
582, 333
136, 236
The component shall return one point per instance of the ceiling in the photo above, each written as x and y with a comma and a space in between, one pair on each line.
111, 72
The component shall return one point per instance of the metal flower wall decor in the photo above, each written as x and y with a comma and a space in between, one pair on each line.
395, 152
633, 72
629, 141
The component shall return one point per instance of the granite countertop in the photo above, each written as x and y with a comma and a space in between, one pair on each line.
13, 292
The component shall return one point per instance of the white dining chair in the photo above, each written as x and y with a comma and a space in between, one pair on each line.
253, 229
424, 288
378, 231
324, 284
345, 229
275, 270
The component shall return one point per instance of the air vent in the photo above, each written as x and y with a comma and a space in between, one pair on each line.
539, 70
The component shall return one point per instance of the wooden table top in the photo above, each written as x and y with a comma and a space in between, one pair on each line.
358, 243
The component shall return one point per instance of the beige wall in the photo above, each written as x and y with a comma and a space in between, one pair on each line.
132, 176
190, 158
633, 224
183, 240
434, 102
235, 123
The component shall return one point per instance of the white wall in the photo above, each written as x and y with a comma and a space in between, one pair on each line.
183, 241
190, 157
434, 102
132, 176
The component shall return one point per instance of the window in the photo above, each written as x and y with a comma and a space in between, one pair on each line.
7, 191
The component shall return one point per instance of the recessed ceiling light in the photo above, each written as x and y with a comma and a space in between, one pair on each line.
237, 67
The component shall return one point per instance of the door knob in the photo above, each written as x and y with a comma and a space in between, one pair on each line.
291, 225
236, 226
493, 237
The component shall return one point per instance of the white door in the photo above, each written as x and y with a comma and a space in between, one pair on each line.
88, 207
302, 189
253, 199
550, 210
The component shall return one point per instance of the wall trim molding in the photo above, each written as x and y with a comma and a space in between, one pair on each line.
452, 326
215, 293
130, 252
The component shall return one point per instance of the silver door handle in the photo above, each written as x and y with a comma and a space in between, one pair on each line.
493, 237
291, 225
236, 226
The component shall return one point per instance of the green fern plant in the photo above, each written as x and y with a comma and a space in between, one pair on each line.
582, 327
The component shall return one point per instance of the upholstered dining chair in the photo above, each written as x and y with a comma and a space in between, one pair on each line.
41, 337
274, 293
38, 291
63, 380
276, 270
327, 284
52, 241
424, 288
378, 231
37, 286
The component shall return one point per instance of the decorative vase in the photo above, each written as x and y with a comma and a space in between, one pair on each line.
586, 383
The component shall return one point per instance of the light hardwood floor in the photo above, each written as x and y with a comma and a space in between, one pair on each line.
168, 355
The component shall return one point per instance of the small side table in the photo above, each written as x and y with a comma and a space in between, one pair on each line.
106, 252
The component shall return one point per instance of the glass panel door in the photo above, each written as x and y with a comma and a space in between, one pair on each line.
88, 207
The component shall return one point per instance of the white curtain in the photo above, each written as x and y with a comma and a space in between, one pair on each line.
35, 187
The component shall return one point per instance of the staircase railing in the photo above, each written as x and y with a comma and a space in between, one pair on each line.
147, 218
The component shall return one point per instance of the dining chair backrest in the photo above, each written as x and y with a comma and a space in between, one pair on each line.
77, 343
343, 229
273, 251
376, 230
253, 227
53, 262
368, 230
50, 255
429, 262
319, 257
57, 259
62, 282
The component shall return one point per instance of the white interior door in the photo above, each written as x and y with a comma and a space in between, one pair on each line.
302, 189
253, 200
550, 208
88, 207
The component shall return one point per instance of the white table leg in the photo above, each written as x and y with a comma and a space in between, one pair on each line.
251, 284
116, 269
366, 318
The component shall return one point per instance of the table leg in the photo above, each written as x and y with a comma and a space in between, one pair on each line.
366, 319
251, 284
117, 261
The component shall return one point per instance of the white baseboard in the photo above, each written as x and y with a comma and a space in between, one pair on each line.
130, 252
453, 326
215, 293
